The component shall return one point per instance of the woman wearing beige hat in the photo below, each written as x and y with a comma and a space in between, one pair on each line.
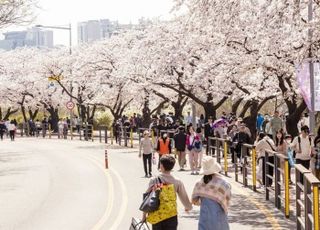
213, 194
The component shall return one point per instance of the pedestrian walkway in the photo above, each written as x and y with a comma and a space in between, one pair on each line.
249, 210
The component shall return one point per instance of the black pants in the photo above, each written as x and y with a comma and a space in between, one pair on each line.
270, 169
304, 163
168, 224
232, 154
12, 135
1, 134
147, 159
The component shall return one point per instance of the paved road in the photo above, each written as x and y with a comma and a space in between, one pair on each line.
59, 184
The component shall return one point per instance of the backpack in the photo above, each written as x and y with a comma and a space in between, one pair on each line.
197, 146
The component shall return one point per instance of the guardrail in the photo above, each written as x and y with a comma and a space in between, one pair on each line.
248, 155
221, 150
277, 166
307, 199
85, 132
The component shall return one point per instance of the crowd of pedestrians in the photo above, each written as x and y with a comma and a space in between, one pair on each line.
8, 128
182, 139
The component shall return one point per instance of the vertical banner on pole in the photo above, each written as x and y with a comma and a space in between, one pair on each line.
316, 86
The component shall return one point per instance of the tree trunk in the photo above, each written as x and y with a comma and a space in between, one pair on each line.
54, 114
33, 115
245, 108
294, 116
177, 111
82, 112
209, 110
8, 113
23, 111
295, 110
235, 106
93, 112
250, 120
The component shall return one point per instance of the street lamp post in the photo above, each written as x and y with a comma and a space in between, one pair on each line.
70, 52
311, 72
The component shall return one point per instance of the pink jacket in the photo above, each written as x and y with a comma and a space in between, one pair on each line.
196, 137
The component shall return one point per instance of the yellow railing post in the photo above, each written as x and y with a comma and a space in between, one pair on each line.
152, 137
111, 135
286, 187
254, 169
131, 137
225, 153
316, 207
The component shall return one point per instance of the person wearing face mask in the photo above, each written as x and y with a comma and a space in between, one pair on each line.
163, 146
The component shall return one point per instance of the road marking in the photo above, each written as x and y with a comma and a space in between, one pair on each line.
110, 198
271, 219
124, 203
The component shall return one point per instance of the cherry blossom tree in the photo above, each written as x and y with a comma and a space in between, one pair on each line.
13, 12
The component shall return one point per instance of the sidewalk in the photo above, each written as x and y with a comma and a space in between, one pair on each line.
249, 209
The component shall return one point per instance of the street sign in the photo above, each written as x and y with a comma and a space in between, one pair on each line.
70, 105
55, 78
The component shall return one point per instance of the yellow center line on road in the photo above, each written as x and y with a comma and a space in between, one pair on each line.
124, 204
110, 198
270, 217
124, 201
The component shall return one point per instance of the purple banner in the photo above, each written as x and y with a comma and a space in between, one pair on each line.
303, 79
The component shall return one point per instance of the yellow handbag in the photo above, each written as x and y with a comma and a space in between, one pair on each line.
168, 205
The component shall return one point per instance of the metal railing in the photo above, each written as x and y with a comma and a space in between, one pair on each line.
307, 199
221, 150
277, 166
246, 163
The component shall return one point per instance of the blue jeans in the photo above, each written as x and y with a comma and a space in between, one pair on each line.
212, 216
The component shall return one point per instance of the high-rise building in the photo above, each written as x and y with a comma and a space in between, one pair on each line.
95, 30
34, 37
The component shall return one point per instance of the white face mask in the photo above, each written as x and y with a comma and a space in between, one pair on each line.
164, 135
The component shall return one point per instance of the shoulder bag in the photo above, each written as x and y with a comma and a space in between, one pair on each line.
151, 199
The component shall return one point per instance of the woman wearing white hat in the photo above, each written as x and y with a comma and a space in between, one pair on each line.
213, 194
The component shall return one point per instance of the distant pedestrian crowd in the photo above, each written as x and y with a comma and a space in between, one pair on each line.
167, 135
